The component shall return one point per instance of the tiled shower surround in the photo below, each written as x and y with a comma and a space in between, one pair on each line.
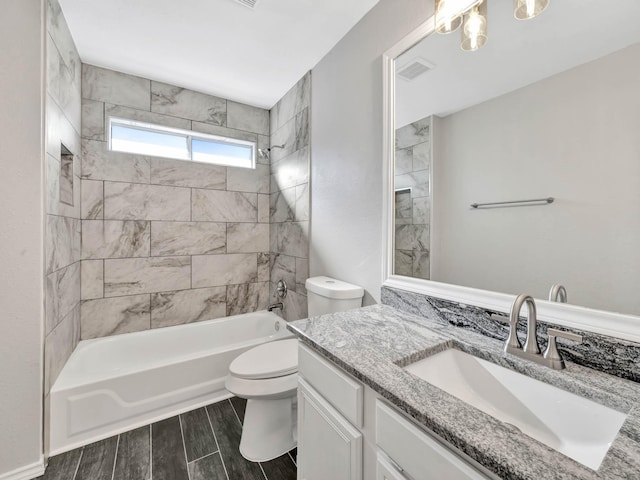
167, 242
289, 202
62, 199
413, 199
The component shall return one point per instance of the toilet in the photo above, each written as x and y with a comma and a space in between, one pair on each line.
267, 376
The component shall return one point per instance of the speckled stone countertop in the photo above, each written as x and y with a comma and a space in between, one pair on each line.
373, 343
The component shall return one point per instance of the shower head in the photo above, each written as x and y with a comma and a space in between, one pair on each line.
265, 152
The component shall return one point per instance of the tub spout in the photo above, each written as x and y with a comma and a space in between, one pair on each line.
273, 306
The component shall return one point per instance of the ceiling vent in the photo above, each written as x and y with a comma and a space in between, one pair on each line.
414, 69
248, 3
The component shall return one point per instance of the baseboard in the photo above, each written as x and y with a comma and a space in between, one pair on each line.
25, 473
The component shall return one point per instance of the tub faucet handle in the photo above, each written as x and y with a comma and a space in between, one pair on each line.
281, 289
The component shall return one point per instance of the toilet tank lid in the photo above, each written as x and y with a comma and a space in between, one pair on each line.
332, 288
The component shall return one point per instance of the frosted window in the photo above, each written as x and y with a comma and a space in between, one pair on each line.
222, 153
158, 141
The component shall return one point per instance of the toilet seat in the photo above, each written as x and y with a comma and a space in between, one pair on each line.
267, 361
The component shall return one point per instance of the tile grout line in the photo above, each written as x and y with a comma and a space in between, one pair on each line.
217, 444
234, 411
204, 456
238, 418
184, 447
78, 465
115, 458
262, 470
151, 452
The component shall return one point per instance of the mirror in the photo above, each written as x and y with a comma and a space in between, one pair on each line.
549, 108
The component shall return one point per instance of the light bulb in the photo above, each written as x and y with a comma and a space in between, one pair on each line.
474, 28
445, 17
525, 9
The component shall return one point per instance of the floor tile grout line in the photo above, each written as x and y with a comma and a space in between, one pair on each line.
184, 447
292, 459
217, 444
75, 473
234, 411
204, 456
241, 426
262, 470
115, 459
151, 452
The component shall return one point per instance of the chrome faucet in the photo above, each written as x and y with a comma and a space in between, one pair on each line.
531, 351
558, 293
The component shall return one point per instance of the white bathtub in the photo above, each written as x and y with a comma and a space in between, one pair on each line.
114, 384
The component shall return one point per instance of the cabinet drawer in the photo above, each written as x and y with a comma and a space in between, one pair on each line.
386, 471
342, 391
419, 455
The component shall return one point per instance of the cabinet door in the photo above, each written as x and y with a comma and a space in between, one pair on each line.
329, 447
386, 471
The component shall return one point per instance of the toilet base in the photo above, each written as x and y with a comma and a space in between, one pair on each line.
269, 428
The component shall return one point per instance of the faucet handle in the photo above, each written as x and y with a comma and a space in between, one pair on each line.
551, 353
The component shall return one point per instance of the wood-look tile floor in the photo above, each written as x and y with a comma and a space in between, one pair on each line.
198, 445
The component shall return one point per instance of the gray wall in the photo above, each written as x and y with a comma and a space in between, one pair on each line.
346, 147
573, 136
21, 237
62, 201
167, 242
289, 205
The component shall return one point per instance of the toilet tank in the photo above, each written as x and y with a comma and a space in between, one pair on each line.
328, 295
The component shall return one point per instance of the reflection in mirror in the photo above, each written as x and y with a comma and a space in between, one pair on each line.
549, 107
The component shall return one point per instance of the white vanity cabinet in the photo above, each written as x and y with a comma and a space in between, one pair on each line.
329, 404
346, 431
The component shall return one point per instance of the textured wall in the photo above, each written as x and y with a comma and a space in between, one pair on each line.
21, 237
289, 202
167, 242
346, 147
62, 197
413, 206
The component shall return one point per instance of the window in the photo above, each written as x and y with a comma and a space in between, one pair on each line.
158, 141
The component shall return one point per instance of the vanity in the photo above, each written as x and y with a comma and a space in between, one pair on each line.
509, 171
363, 414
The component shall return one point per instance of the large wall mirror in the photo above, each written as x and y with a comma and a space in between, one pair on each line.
517, 166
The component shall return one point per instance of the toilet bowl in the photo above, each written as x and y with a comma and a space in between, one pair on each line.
267, 376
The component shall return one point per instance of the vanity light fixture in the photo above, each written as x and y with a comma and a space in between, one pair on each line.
446, 16
474, 19
474, 27
526, 9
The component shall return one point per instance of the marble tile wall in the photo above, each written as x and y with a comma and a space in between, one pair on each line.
413, 199
62, 162
167, 242
289, 198
62, 204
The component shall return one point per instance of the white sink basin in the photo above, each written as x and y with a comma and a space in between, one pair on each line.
579, 428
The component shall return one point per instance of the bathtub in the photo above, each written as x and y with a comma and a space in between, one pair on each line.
114, 384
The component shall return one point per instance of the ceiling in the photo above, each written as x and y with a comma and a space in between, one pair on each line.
567, 34
219, 47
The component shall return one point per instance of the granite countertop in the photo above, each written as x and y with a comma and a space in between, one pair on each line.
372, 343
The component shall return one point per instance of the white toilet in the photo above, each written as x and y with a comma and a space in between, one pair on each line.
267, 376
